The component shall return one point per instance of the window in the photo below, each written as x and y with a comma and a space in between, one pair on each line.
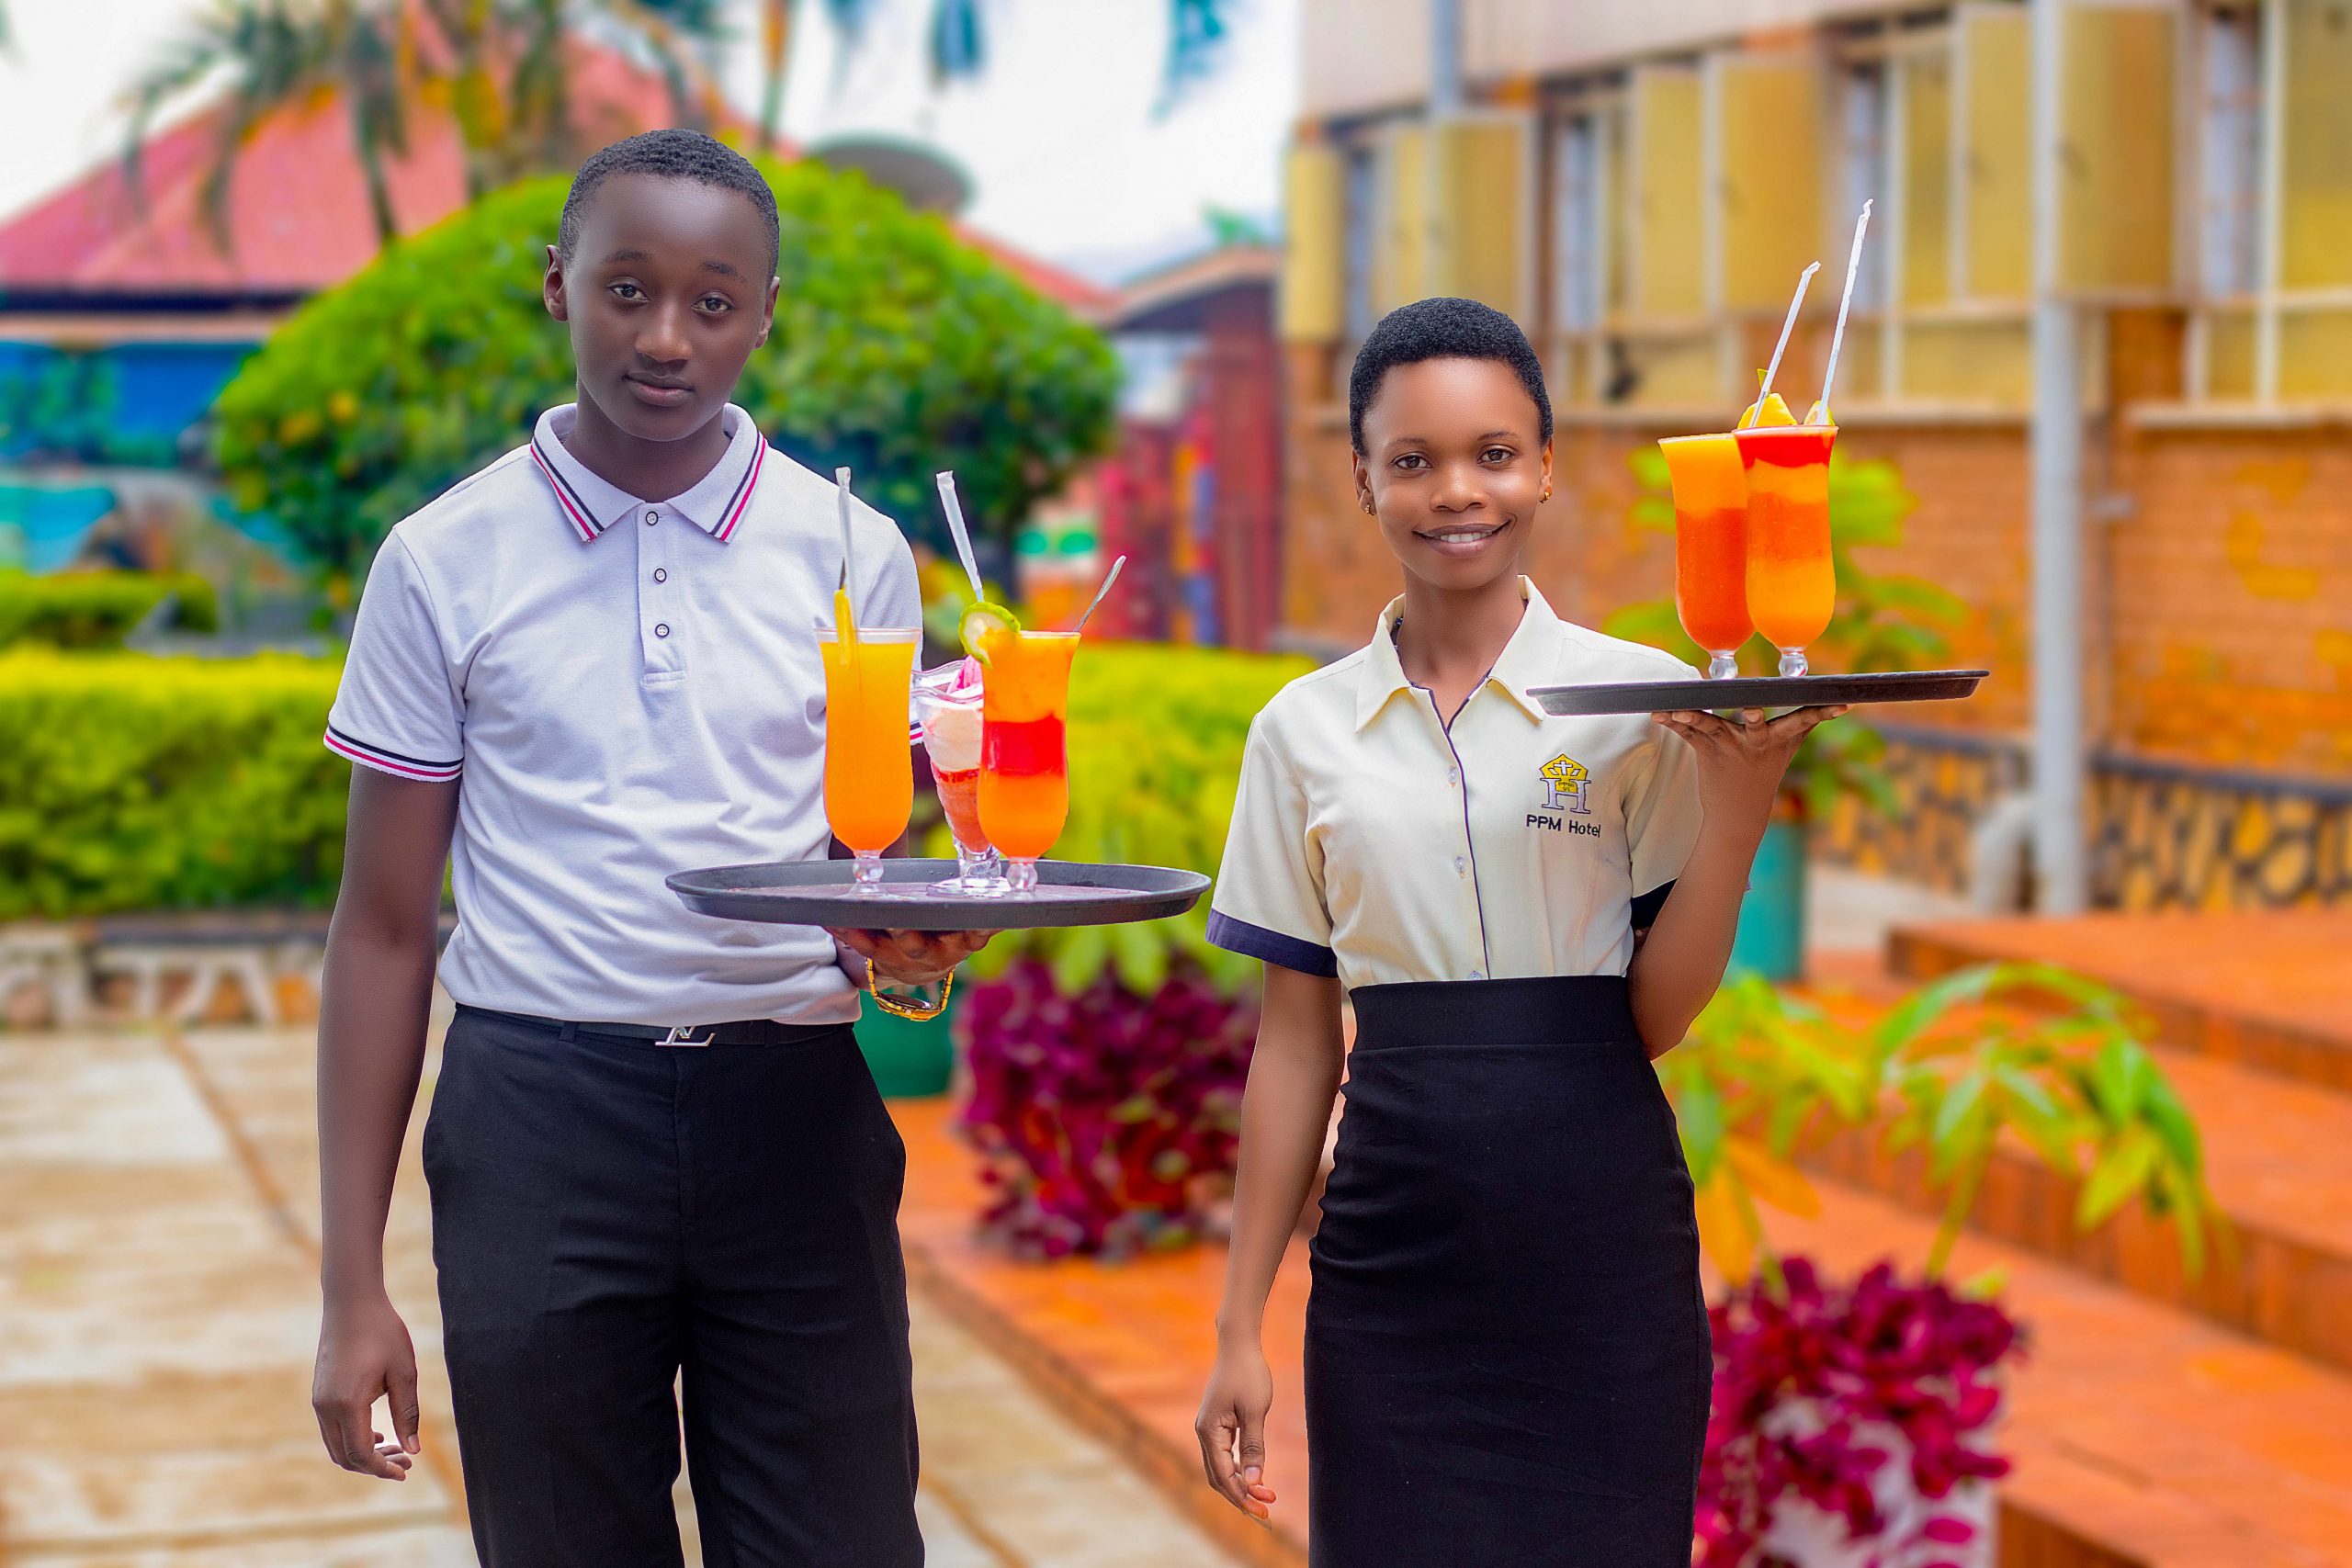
1362, 238
2229, 145
1862, 173
1580, 198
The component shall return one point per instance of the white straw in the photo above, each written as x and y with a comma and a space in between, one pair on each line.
1837, 338
849, 570
1804, 281
962, 534
1101, 593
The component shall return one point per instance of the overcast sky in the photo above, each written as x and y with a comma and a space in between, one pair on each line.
1061, 136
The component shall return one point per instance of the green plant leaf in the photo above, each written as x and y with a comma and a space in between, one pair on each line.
2120, 1171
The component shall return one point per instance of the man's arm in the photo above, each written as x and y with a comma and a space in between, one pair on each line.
377, 990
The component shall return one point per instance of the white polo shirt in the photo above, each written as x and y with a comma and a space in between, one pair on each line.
1372, 841
626, 688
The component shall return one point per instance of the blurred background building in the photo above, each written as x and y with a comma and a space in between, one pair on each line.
1641, 184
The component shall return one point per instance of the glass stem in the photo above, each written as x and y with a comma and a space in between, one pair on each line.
869, 870
1722, 665
1792, 661
1022, 876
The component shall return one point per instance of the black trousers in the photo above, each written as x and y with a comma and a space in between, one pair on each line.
607, 1215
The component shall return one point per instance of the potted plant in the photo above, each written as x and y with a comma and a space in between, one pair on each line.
1853, 1422
1883, 622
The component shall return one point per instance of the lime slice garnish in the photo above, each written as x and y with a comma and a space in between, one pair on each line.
987, 627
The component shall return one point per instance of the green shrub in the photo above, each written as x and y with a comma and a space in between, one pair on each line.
897, 350
132, 783
1155, 752
94, 609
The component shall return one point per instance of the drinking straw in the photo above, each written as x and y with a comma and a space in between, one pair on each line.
1837, 338
1100, 594
1804, 281
848, 629
963, 536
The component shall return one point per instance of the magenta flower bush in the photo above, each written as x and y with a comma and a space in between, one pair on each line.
1808, 1383
1102, 1117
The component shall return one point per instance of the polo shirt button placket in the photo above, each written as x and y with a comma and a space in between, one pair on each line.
658, 617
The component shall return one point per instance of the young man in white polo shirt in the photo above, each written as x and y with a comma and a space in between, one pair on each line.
653, 1147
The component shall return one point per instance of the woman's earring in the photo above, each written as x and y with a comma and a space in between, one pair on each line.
1369, 510
1547, 493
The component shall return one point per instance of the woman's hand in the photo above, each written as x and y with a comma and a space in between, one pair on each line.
365, 1355
1232, 1428
913, 958
1741, 765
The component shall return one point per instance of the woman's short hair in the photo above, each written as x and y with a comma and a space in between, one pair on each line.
1442, 328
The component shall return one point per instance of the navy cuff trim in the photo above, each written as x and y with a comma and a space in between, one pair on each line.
1648, 905
1272, 947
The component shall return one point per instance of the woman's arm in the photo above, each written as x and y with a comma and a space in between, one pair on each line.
377, 990
1285, 1116
1677, 967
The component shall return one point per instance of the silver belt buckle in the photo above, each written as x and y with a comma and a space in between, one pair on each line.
682, 1034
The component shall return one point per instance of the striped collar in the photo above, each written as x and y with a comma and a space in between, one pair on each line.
592, 504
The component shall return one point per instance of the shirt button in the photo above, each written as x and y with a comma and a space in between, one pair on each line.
1477, 975
660, 574
1460, 865
1453, 775
661, 630
651, 518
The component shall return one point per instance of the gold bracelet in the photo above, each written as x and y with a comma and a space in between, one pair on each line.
910, 1011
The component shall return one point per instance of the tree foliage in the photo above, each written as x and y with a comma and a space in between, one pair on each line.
897, 351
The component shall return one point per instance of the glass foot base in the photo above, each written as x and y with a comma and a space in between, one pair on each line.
1792, 661
1722, 666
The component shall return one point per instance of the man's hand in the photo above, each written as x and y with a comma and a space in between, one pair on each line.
914, 958
364, 1353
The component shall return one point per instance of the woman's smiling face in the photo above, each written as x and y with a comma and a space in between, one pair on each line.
1455, 464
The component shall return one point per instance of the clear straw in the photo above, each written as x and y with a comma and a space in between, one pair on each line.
1100, 594
849, 570
962, 534
1837, 338
1804, 281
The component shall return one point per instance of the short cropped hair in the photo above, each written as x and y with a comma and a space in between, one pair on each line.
1442, 328
675, 156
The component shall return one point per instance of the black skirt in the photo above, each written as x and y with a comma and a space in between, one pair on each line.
1507, 1353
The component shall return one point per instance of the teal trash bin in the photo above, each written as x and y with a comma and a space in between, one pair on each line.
1770, 937
907, 1059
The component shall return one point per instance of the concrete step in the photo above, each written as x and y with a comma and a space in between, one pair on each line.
2279, 1160
2271, 989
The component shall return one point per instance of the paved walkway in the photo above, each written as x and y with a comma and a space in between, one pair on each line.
158, 1310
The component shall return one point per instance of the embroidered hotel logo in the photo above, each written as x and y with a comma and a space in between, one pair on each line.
1567, 783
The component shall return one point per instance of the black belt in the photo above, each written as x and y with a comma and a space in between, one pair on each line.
751, 1032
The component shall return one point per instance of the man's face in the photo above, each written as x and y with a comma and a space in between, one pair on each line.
668, 292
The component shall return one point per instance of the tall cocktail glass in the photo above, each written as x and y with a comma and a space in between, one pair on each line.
1709, 545
869, 776
1791, 584
1024, 755
948, 704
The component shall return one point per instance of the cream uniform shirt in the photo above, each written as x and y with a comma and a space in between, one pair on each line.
1374, 841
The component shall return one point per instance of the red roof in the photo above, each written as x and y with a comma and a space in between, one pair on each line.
297, 212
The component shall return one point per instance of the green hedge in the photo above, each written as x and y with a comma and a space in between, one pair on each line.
94, 609
130, 783
133, 783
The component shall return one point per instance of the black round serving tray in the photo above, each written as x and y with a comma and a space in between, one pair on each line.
820, 893
1758, 691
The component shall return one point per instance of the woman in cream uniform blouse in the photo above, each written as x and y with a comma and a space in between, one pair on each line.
1507, 1355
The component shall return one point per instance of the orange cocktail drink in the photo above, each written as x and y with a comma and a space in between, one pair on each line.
1710, 544
1792, 586
869, 770
1024, 755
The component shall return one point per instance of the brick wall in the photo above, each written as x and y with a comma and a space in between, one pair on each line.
2230, 595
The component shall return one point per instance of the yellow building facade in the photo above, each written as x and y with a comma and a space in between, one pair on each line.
1640, 184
